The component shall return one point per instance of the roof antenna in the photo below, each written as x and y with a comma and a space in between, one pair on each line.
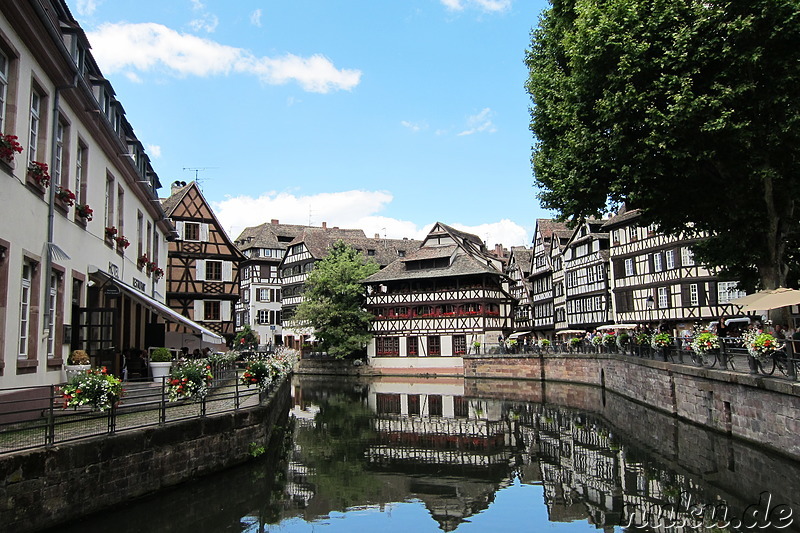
196, 172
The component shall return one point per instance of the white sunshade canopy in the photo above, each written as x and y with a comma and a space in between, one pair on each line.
768, 299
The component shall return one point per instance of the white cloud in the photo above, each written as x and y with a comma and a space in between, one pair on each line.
347, 209
87, 8
491, 6
482, 122
255, 18
413, 126
154, 151
148, 46
207, 23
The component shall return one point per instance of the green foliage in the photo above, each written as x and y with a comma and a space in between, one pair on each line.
256, 450
334, 301
245, 339
94, 388
190, 380
675, 108
161, 355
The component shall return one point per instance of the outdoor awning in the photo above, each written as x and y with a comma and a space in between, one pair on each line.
768, 299
519, 334
570, 332
616, 326
159, 308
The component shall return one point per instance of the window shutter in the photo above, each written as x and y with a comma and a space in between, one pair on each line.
227, 271
204, 232
200, 273
179, 229
225, 310
701, 293
198, 310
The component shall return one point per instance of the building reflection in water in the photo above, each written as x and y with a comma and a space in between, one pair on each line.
390, 440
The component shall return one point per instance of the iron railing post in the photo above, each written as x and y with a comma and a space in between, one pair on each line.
236, 393
162, 412
50, 436
112, 417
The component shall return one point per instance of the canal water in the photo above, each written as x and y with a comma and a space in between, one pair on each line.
427, 455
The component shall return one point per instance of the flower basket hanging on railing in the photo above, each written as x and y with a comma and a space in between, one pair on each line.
94, 388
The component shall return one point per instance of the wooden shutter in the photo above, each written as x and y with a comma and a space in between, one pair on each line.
200, 272
227, 271
204, 232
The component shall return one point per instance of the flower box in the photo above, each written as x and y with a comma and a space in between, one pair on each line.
84, 212
65, 196
38, 172
9, 146
122, 242
111, 233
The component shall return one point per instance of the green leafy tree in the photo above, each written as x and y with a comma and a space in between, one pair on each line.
245, 339
334, 299
689, 111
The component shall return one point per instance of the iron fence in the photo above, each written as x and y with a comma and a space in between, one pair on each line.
32, 417
730, 356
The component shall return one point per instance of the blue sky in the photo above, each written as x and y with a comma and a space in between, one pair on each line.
375, 114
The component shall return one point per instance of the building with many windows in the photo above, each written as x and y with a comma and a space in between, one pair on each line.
260, 301
656, 279
79, 207
312, 246
432, 305
519, 270
203, 270
586, 280
548, 298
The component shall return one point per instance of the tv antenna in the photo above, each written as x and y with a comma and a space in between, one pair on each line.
197, 171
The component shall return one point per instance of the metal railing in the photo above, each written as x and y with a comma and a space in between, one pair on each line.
730, 356
33, 417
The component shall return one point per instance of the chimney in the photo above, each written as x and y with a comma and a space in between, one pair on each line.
274, 221
498, 250
377, 235
324, 225
176, 186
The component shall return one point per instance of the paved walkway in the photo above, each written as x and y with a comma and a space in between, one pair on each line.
140, 406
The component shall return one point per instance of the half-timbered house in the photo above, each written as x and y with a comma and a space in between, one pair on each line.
203, 266
656, 279
259, 305
432, 305
546, 281
586, 279
312, 246
518, 270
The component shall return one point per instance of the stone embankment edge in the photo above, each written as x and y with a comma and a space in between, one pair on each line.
45, 487
762, 410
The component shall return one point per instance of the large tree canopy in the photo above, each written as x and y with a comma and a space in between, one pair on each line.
333, 301
688, 110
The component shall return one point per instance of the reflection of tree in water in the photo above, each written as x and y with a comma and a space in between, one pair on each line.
333, 448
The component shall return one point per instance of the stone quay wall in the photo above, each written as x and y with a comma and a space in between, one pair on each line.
751, 407
45, 487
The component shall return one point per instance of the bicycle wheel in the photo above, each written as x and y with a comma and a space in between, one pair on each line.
767, 367
729, 360
708, 359
782, 364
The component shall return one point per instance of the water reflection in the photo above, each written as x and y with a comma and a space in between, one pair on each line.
444, 455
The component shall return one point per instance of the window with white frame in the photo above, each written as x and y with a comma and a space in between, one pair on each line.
213, 270
663, 298
687, 257
59, 154
694, 295
52, 300
658, 265
35, 121
670, 259
212, 311
728, 290
632, 233
246, 296
4, 67
80, 168
25, 309
263, 295
109, 202
263, 316
629, 270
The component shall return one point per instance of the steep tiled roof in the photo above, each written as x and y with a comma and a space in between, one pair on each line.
169, 204
319, 240
621, 218
462, 265
269, 235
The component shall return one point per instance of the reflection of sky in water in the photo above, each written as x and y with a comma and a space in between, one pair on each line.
517, 507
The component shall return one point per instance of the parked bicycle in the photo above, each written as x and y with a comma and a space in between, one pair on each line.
712, 358
780, 361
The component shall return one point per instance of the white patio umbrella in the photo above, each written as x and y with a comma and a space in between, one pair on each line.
768, 299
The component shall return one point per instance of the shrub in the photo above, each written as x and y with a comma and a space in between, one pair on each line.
161, 355
78, 357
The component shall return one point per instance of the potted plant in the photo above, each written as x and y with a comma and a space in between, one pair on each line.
476, 345
122, 242
96, 389
65, 196
84, 211
705, 341
8, 147
38, 172
142, 261
158, 273
111, 233
760, 345
77, 363
160, 363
